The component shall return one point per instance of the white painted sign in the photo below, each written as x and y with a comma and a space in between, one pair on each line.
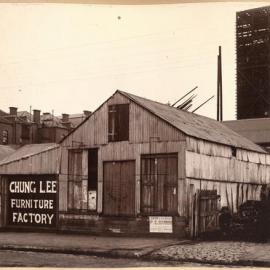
32, 201
92, 195
158, 224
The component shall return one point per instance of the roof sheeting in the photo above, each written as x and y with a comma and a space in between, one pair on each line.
195, 125
28, 151
4, 120
256, 130
5, 151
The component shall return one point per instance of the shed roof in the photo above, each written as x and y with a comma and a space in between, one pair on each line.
5, 151
27, 151
195, 125
256, 130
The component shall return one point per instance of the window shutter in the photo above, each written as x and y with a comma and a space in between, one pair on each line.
123, 123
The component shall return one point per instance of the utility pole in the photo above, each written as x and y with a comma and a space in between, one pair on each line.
219, 87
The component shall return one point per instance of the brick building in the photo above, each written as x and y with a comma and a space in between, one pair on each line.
23, 127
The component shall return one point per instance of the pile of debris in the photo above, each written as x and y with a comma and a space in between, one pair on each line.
250, 223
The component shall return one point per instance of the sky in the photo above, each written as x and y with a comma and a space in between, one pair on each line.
66, 58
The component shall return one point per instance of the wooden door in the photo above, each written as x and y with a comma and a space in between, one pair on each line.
119, 188
205, 212
159, 184
75, 179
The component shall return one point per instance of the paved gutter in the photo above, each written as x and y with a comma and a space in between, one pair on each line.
147, 254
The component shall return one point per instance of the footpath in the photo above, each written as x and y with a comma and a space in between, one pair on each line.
214, 252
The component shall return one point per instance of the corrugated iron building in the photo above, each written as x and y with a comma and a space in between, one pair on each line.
28, 187
140, 167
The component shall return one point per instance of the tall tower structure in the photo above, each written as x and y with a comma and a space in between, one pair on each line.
253, 63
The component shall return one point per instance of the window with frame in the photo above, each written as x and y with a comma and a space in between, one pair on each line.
25, 132
118, 120
5, 137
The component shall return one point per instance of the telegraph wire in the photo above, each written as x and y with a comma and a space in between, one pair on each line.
149, 51
113, 67
22, 85
122, 65
98, 43
40, 57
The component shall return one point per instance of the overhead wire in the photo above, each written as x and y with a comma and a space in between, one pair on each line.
188, 58
43, 55
109, 74
98, 43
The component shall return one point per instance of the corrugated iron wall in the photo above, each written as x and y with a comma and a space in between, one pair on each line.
46, 162
142, 126
236, 178
119, 152
147, 134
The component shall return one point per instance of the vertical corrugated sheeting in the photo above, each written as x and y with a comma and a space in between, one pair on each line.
28, 161
147, 134
142, 126
236, 178
118, 152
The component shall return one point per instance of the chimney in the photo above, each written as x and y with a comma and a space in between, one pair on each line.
36, 116
13, 111
86, 113
65, 117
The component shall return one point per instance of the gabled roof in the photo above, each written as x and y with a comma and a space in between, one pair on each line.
21, 117
191, 124
195, 125
2, 113
27, 151
49, 120
4, 120
25, 114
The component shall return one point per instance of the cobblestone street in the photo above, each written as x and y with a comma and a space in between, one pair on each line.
156, 250
216, 252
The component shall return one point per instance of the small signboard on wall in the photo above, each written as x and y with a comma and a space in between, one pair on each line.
32, 201
92, 195
159, 224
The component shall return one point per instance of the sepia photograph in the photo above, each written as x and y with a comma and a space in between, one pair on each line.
134, 134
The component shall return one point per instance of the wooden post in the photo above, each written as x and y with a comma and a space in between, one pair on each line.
191, 210
218, 93
220, 84
219, 87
